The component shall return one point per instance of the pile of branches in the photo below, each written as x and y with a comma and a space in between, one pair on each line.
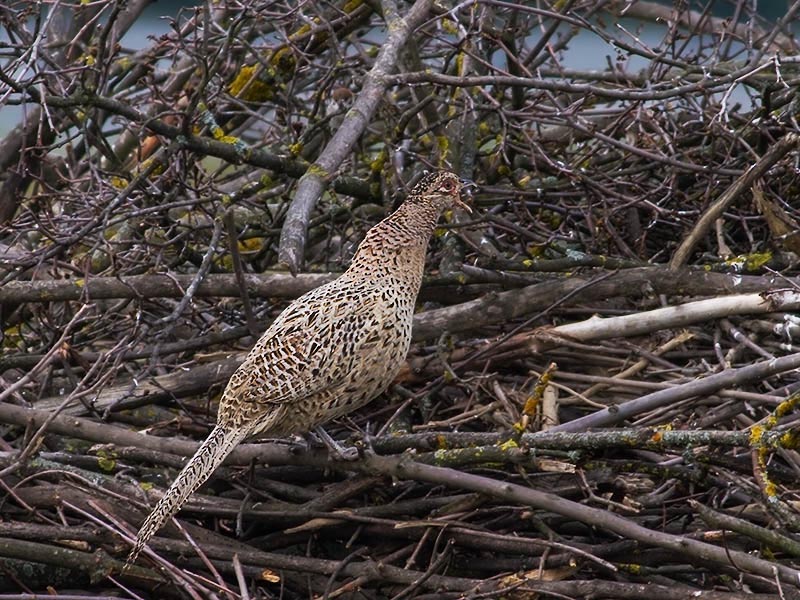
601, 397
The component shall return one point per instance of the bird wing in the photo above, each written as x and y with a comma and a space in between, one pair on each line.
312, 346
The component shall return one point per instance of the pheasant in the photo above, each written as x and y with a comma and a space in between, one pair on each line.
331, 351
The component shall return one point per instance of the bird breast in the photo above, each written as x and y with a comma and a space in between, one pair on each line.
331, 351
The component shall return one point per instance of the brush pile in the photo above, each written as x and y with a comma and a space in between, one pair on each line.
602, 396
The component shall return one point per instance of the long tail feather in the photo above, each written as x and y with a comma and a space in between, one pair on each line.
208, 457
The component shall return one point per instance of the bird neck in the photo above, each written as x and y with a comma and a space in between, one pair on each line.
396, 246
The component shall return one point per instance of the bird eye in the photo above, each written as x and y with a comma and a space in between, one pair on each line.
447, 186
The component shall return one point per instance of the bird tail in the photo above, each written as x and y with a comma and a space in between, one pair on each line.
208, 457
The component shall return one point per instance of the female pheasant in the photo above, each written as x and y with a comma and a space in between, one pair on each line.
330, 351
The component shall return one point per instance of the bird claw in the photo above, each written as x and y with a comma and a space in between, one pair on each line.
299, 445
348, 454
335, 449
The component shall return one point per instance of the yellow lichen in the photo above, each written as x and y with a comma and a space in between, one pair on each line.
756, 433
460, 63
376, 166
749, 262
317, 171
508, 445
770, 490
787, 406
146, 165
106, 463
535, 251
241, 80
247, 86
225, 261
444, 147
631, 568
789, 440
251, 245
118, 182
757, 260
531, 404
284, 58
449, 26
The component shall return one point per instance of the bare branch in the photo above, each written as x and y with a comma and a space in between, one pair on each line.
312, 183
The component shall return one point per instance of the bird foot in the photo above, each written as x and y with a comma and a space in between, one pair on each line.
335, 449
367, 438
298, 444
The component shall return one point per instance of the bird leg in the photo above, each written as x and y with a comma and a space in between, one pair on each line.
335, 449
368, 437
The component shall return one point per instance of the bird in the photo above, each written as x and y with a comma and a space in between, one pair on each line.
331, 351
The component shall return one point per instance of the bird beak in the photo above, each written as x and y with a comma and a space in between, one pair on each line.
467, 186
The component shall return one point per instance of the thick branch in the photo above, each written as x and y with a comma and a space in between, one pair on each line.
265, 285
202, 145
313, 182
545, 338
404, 468
645, 280
641, 438
700, 387
505, 306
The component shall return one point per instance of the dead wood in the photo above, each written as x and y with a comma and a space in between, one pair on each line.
601, 399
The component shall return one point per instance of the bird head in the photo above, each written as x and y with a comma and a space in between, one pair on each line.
442, 189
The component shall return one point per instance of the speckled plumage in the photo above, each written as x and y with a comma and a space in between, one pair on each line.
330, 351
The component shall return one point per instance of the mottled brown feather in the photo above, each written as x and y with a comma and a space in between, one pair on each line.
330, 351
